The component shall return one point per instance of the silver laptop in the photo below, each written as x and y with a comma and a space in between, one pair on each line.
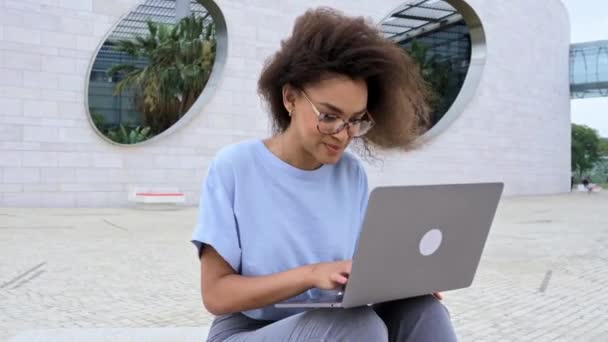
416, 240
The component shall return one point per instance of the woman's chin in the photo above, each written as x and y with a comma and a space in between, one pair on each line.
332, 158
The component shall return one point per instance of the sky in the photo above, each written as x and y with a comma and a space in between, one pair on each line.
588, 22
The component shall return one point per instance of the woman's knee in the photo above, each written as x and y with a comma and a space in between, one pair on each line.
363, 325
417, 309
356, 324
431, 307
366, 321
417, 319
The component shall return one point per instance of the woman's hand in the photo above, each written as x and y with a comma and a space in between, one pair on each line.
333, 275
330, 275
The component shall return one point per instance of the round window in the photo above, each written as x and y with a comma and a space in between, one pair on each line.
153, 67
445, 38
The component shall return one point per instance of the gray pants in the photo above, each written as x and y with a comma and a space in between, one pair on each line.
416, 319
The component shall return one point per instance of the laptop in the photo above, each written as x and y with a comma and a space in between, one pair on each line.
415, 240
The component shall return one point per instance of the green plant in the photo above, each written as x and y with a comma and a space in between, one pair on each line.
584, 149
98, 120
438, 75
180, 62
599, 172
123, 135
603, 148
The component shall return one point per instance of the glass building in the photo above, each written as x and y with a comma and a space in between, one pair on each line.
589, 69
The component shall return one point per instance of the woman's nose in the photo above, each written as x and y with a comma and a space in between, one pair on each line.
343, 135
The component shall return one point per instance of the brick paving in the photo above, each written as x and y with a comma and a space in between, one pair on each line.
543, 276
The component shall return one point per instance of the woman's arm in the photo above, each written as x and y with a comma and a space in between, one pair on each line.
224, 291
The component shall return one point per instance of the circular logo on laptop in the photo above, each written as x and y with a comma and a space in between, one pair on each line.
430, 242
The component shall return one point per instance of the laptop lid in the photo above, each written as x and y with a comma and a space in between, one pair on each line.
416, 240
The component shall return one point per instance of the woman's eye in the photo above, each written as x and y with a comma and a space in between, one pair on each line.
327, 117
362, 118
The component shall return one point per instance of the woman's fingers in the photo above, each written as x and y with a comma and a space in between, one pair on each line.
338, 278
348, 266
438, 295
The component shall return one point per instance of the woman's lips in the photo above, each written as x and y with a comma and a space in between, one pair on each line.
333, 148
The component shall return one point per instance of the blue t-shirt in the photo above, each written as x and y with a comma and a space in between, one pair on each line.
264, 216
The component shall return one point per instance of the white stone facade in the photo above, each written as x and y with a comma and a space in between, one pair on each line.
515, 129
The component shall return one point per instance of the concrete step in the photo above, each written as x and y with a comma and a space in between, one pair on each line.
169, 334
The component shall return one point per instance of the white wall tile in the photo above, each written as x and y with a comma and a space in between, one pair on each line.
103, 187
82, 66
76, 25
58, 39
92, 199
74, 159
40, 133
6, 188
11, 159
39, 159
91, 176
21, 35
72, 53
11, 133
21, 175
59, 64
19, 146
35, 50
13, 92
72, 83
77, 135
25, 6
11, 107
19, 120
101, 26
87, 43
45, 199
41, 21
39, 79
72, 110
11, 77
63, 123
81, 5
57, 175
12, 17
107, 160
40, 108
41, 188
61, 95
148, 176
113, 8
20, 61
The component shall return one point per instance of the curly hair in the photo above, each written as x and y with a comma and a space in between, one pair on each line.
326, 42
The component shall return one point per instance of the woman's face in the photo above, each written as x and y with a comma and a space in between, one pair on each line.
339, 97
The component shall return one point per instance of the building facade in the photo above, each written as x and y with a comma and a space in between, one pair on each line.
510, 123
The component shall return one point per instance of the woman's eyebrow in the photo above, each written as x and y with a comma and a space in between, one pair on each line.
340, 111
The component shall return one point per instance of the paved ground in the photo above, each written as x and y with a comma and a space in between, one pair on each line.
543, 276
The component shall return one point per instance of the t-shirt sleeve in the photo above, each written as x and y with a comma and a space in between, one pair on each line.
216, 223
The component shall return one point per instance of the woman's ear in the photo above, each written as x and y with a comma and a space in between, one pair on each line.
289, 97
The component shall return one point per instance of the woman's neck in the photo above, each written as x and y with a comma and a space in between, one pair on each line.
286, 148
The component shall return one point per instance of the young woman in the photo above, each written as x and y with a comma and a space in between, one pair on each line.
279, 218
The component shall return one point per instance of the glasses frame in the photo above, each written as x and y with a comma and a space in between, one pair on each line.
345, 124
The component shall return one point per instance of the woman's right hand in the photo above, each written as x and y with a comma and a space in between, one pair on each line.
330, 275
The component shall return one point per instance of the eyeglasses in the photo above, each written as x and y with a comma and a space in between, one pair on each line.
329, 124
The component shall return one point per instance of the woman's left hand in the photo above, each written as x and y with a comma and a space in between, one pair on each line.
438, 295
